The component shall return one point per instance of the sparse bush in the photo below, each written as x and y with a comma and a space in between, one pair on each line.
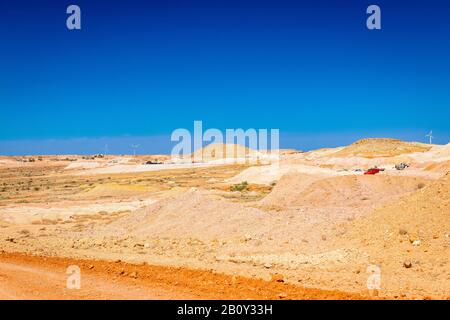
36, 188
421, 185
240, 186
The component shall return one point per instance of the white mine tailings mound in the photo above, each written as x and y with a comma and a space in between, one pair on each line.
193, 214
272, 173
82, 165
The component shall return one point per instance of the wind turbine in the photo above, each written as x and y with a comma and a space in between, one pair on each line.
105, 149
134, 146
430, 135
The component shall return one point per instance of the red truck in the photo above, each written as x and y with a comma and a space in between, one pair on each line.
372, 171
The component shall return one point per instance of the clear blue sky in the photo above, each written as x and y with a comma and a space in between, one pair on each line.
141, 69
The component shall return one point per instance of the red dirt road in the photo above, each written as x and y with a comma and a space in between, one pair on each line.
33, 277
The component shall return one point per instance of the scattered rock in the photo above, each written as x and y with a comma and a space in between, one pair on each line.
416, 243
324, 237
413, 237
134, 275
402, 232
407, 264
267, 265
277, 277
282, 295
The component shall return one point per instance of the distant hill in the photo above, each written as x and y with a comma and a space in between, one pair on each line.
381, 147
217, 151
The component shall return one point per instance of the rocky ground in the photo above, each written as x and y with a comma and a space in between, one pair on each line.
312, 221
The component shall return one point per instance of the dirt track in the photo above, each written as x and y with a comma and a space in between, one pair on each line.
32, 277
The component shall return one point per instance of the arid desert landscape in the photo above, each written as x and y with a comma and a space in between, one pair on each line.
309, 225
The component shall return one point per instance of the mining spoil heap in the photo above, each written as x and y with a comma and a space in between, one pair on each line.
310, 220
381, 147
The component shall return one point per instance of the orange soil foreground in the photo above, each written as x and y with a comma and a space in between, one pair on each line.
35, 277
